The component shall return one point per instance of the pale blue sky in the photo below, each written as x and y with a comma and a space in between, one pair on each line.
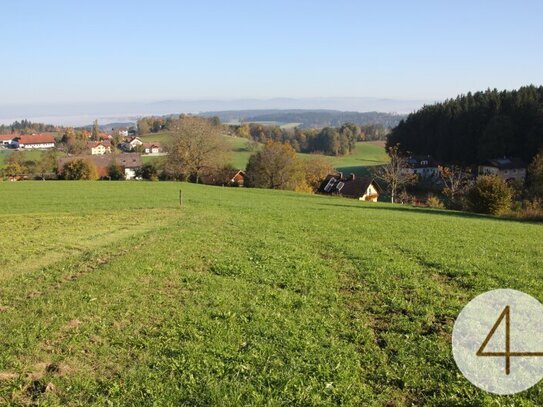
101, 51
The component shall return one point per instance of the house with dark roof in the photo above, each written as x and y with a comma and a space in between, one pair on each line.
508, 169
131, 144
361, 188
129, 163
424, 167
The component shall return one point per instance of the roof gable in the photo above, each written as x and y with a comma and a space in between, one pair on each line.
506, 163
354, 187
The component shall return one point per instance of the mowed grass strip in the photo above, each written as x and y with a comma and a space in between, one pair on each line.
254, 297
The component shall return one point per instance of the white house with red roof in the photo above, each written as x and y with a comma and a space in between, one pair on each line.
6, 139
151, 148
35, 141
99, 147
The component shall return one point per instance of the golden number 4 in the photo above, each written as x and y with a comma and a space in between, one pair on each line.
505, 315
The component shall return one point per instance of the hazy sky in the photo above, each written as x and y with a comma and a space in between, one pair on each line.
74, 51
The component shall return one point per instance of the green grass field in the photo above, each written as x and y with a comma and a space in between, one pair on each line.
31, 155
113, 295
367, 154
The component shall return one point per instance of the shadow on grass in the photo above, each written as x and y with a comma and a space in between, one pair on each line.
435, 212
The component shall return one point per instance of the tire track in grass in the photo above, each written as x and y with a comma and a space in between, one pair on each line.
82, 308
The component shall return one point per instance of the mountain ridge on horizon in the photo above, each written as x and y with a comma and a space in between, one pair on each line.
80, 114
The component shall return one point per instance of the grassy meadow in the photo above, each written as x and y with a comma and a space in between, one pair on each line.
111, 294
32, 155
366, 154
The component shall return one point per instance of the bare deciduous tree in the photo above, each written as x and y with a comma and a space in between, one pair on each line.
455, 181
395, 174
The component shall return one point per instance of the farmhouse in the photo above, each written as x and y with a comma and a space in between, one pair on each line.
151, 148
41, 141
508, 169
6, 139
129, 163
99, 147
361, 188
423, 166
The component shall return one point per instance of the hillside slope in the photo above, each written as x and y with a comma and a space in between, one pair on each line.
112, 293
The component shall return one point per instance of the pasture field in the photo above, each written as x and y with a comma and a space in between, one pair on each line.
111, 294
30, 155
366, 154
162, 137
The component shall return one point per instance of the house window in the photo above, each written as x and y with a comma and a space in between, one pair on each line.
340, 185
330, 185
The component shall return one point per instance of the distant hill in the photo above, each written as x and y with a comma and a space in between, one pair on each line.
110, 126
309, 118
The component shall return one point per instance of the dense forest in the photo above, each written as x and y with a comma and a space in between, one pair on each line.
475, 127
26, 127
310, 118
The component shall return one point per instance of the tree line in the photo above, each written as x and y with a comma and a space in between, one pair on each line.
334, 141
328, 141
474, 127
26, 127
309, 118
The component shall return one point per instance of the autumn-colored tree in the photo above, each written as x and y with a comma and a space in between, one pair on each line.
275, 166
535, 176
18, 157
79, 170
13, 169
196, 146
316, 168
73, 142
244, 131
47, 163
143, 127
489, 194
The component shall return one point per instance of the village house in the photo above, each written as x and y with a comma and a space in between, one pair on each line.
422, 166
151, 148
99, 147
129, 163
361, 188
35, 141
104, 136
121, 131
6, 139
237, 178
131, 144
508, 169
